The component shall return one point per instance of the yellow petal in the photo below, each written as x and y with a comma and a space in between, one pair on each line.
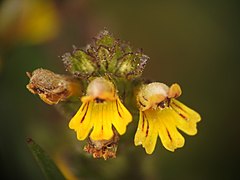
152, 132
125, 114
97, 121
100, 117
102, 126
189, 127
174, 91
121, 116
164, 136
86, 123
107, 121
185, 118
140, 135
75, 121
87, 99
185, 111
168, 132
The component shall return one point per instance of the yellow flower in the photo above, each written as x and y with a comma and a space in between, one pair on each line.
162, 115
31, 21
100, 112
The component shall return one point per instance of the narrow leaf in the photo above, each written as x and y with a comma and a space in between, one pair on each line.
46, 164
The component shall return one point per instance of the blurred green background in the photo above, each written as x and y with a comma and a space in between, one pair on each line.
194, 43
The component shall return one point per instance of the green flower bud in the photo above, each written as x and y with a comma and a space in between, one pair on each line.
106, 55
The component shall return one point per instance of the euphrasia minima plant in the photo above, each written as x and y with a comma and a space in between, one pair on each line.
106, 79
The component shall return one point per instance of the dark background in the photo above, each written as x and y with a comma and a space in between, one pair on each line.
194, 43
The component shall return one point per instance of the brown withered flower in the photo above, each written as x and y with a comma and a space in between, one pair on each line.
103, 148
52, 88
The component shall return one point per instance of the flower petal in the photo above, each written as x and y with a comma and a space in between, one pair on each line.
121, 116
185, 118
147, 131
75, 121
96, 134
107, 121
151, 133
86, 123
140, 135
125, 114
102, 126
169, 135
174, 91
164, 136
185, 111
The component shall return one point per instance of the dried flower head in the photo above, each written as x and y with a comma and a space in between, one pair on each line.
103, 148
52, 87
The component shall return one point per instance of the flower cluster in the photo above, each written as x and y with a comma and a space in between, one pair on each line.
110, 71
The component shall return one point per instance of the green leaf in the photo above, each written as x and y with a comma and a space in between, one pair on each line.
46, 164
